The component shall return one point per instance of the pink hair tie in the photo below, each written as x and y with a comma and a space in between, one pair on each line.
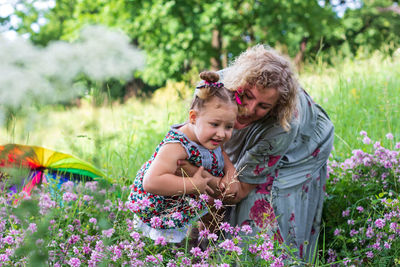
237, 96
206, 83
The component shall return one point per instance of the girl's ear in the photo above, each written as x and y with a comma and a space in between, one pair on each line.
192, 116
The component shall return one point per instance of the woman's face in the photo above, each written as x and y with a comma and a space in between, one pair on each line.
257, 104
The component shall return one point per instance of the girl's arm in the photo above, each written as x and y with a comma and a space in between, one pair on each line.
160, 178
229, 184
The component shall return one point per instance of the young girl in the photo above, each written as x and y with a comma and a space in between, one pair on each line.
165, 203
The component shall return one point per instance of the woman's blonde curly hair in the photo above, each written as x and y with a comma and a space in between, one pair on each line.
263, 67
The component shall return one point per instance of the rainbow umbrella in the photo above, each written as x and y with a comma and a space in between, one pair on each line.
44, 164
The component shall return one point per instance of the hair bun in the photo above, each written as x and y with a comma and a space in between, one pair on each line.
209, 76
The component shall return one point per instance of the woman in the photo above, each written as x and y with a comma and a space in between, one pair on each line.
279, 149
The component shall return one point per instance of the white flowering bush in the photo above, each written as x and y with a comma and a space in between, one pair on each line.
35, 75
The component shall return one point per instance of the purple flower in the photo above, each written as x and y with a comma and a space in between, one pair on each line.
68, 196
8, 240
87, 198
108, 233
217, 204
204, 197
212, 236
353, 232
226, 227
4, 258
73, 239
369, 254
394, 227
370, 232
363, 133
337, 232
32, 227
160, 241
346, 213
204, 233
135, 236
229, 245
157, 259
380, 223
155, 222
93, 220
360, 209
278, 262
67, 186
366, 140
253, 248
389, 136
247, 229
170, 223
196, 252
177, 216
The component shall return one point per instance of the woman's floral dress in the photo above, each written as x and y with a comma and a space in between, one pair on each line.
290, 170
173, 212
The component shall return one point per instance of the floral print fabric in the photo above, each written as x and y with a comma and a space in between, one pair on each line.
289, 169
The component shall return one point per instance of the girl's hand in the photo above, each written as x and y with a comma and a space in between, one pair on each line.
200, 181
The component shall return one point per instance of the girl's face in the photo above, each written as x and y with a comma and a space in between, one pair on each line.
257, 104
213, 124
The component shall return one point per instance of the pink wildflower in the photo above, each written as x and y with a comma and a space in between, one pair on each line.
380, 223
32, 227
196, 252
366, 140
337, 232
170, 223
74, 262
212, 236
247, 229
108, 233
204, 197
135, 236
389, 136
68, 196
93, 220
155, 222
369, 254
363, 133
346, 213
177, 216
160, 241
217, 204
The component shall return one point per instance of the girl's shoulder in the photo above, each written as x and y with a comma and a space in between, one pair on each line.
175, 135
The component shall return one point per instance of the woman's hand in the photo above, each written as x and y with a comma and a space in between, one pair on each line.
201, 181
186, 169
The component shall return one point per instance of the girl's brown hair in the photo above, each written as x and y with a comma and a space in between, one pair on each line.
209, 88
263, 67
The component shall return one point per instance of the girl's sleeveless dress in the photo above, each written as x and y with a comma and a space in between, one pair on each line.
171, 216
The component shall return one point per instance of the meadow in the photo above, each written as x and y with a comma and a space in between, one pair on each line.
362, 211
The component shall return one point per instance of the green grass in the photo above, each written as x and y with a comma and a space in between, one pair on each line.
358, 94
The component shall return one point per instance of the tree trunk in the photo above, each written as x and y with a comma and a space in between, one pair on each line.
216, 43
